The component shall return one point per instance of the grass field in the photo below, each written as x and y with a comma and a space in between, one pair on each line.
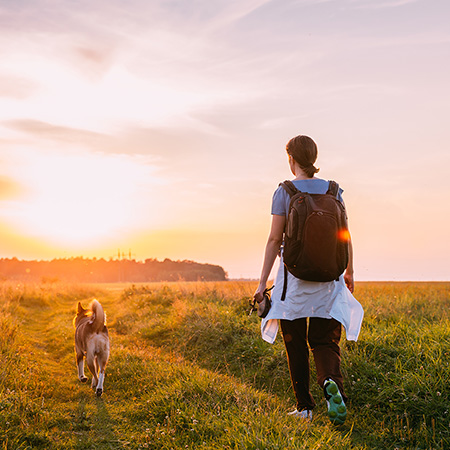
188, 370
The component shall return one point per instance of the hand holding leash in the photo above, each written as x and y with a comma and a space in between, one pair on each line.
264, 305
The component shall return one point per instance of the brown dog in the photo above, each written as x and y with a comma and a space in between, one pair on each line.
92, 342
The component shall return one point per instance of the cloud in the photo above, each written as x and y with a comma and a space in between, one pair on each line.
151, 62
91, 56
16, 87
163, 144
221, 14
375, 4
91, 60
43, 130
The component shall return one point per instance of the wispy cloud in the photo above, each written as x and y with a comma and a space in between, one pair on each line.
375, 4
159, 145
43, 130
16, 87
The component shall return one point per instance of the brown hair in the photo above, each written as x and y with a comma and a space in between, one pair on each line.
304, 151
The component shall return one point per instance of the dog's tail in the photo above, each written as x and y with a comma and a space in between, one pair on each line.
98, 317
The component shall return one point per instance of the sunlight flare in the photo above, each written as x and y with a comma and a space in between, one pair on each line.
76, 199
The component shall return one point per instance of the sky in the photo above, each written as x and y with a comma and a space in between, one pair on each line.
157, 128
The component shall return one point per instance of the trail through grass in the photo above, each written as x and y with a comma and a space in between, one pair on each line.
188, 369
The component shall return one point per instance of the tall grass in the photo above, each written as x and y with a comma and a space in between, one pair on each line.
188, 369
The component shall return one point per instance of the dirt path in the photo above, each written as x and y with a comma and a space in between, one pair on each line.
76, 417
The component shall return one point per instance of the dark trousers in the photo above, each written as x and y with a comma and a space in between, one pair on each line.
323, 336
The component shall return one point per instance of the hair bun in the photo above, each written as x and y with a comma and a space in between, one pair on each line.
304, 151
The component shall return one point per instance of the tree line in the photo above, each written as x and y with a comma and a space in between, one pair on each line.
95, 270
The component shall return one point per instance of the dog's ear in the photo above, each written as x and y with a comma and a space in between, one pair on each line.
80, 309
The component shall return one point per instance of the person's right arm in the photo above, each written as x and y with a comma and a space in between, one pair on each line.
348, 274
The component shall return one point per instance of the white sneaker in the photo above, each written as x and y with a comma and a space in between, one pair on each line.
304, 415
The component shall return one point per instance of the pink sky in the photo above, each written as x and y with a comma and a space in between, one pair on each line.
160, 127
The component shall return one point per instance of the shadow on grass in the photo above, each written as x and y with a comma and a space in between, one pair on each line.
93, 426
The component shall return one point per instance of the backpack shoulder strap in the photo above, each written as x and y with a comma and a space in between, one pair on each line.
333, 188
289, 187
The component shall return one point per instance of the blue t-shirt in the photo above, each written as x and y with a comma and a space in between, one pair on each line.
281, 199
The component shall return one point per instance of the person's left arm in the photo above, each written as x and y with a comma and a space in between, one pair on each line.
273, 245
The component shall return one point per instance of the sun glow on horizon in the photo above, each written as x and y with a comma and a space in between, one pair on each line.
77, 199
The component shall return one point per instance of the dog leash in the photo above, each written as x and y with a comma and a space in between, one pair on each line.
253, 303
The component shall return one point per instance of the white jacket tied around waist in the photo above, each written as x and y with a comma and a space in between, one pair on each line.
330, 300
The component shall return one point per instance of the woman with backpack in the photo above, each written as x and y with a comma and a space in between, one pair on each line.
308, 309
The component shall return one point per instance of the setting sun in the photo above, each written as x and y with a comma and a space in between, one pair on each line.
72, 199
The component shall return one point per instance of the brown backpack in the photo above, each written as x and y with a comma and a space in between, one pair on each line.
316, 240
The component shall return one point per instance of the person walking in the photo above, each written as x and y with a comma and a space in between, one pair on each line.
308, 312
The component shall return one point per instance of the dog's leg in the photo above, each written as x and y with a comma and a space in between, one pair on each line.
96, 365
90, 361
102, 359
101, 377
80, 364
99, 380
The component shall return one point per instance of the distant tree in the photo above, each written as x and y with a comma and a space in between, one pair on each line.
80, 269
